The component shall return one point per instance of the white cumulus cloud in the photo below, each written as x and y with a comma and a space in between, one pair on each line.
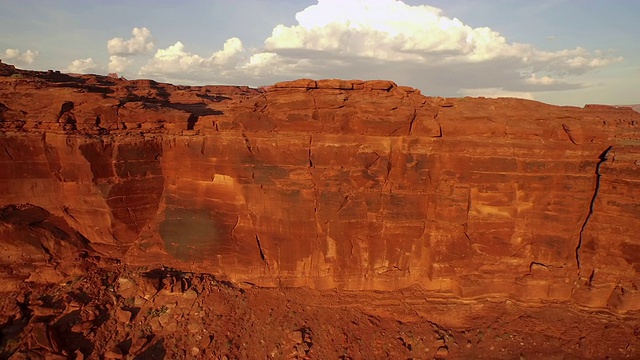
140, 43
20, 57
122, 51
82, 66
390, 30
175, 59
118, 64
415, 45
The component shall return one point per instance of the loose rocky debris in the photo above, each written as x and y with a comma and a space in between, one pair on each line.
113, 311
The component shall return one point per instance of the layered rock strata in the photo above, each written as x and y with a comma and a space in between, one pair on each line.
327, 184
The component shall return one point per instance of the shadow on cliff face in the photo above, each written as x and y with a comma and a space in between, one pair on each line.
213, 98
157, 97
196, 110
29, 233
3, 108
129, 177
93, 84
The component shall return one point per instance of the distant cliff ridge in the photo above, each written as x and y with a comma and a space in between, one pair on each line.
635, 107
346, 184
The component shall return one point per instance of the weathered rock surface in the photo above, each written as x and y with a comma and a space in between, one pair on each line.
113, 311
361, 185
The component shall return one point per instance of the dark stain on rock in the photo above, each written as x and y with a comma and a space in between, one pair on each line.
190, 234
631, 253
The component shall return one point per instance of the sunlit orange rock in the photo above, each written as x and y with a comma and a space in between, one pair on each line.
326, 183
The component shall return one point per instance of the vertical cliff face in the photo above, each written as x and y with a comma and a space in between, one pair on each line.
347, 184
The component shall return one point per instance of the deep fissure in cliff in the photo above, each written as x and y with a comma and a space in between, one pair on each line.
263, 256
603, 158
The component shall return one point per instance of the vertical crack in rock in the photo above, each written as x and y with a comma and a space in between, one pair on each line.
603, 158
466, 233
368, 166
568, 131
48, 252
247, 143
233, 229
591, 277
118, 118
389, 166
9, 154
413, 119
262, 254
65, 210
344, 203
53, 159
618, 288
351, 252
439, 131
435, 117
316, 194
309, 152
131, 215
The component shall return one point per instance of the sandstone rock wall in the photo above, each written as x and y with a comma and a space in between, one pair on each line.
332, 183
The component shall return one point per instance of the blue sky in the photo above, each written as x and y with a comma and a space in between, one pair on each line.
557, 51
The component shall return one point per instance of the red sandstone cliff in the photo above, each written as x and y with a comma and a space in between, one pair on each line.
346, 184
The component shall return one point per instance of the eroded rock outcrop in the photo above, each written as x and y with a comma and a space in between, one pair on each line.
330, 183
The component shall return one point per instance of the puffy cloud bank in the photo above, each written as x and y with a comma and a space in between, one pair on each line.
20, 57
82, 66
121, 51
176, 61
416, 45
140, 43
420, 46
